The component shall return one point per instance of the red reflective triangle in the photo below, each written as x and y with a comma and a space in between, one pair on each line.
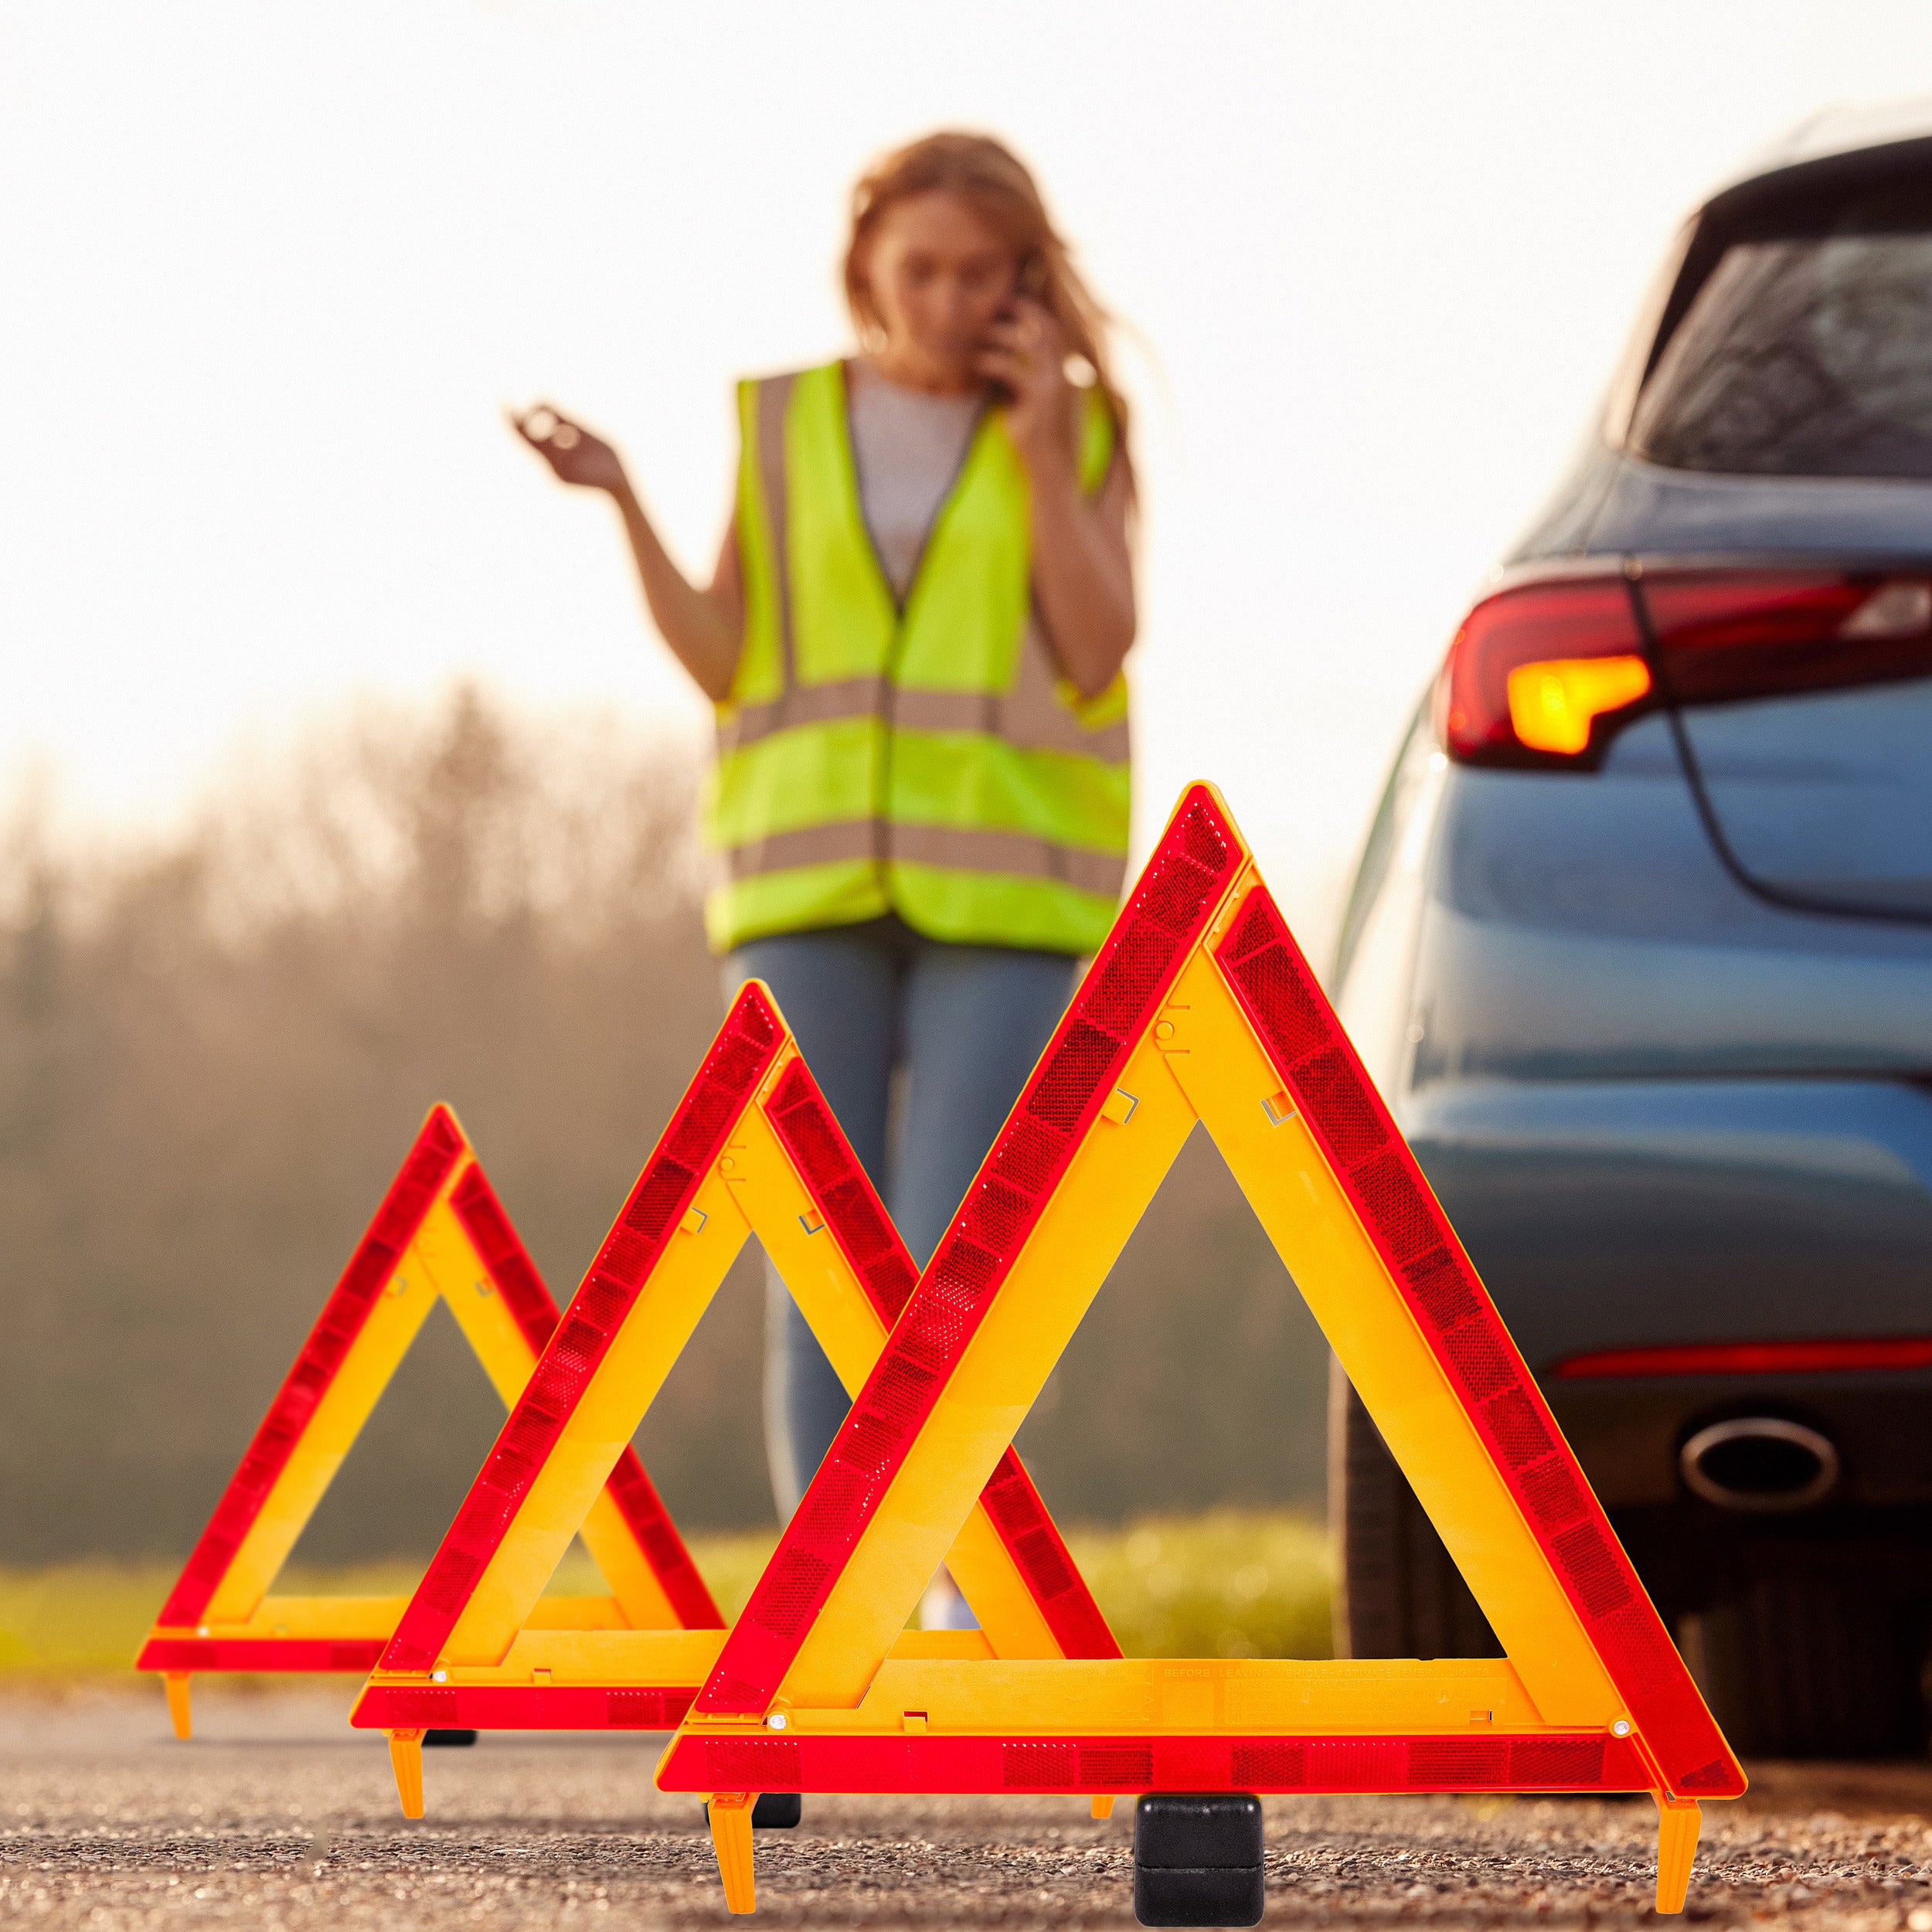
1198, 915
272, 1494
1184, 881
736, 1078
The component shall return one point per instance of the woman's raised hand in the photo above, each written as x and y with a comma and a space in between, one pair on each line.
702, 626
1025, 354
574, 453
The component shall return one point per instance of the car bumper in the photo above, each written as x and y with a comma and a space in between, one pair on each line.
1636, 1216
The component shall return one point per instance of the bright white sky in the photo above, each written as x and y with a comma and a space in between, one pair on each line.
269, 272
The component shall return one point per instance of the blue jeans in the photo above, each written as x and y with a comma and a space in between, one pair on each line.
921, 1048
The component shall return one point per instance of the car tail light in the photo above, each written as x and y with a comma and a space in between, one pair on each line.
1730, 634
1543, 673
1535, 667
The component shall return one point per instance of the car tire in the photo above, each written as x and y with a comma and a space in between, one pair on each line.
1813, 1667
1801, 1667
1398, 1592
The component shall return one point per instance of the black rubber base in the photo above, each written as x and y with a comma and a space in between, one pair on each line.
449, 1737
774, 1811
1197, 1894
1187, 1828
1197, 1859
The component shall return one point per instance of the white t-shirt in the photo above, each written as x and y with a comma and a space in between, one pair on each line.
908, 447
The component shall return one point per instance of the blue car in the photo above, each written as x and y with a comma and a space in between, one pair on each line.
1639, 948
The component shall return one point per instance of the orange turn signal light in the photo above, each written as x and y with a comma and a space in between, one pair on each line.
1552, 704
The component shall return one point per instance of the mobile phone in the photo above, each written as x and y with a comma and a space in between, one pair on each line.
1030, 283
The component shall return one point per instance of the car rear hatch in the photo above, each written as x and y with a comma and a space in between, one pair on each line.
1797, 345
1801, 702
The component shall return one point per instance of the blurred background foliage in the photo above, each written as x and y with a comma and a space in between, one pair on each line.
215, 1047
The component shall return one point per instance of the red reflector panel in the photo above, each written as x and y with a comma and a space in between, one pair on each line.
1117, 1765
305, 1653
642, 1509
512, 1272
1754, 1358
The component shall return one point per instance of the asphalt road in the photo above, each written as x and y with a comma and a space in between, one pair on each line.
276, 1815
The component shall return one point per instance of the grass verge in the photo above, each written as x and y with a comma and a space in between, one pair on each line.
1233, 1584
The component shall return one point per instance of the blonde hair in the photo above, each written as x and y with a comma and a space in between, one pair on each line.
988, 175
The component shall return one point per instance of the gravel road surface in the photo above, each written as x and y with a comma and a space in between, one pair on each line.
276, 1815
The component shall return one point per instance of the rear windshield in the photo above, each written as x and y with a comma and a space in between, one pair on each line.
1805, 354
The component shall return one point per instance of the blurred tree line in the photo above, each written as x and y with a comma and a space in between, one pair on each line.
214, 1050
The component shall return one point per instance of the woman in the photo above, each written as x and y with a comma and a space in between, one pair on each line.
913, 636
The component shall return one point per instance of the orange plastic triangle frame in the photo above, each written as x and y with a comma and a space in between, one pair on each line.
440, 1232
1201, 1009
752, 1149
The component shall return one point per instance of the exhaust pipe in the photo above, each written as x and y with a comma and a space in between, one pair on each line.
1761, 1464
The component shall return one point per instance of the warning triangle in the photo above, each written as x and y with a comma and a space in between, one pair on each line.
440, 1231
752, 1150
1200, 1008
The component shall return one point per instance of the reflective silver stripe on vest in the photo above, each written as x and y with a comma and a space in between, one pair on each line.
957, 847
1030, 716
1008, 851
803, 704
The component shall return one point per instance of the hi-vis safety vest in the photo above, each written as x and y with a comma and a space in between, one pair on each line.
925, 760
